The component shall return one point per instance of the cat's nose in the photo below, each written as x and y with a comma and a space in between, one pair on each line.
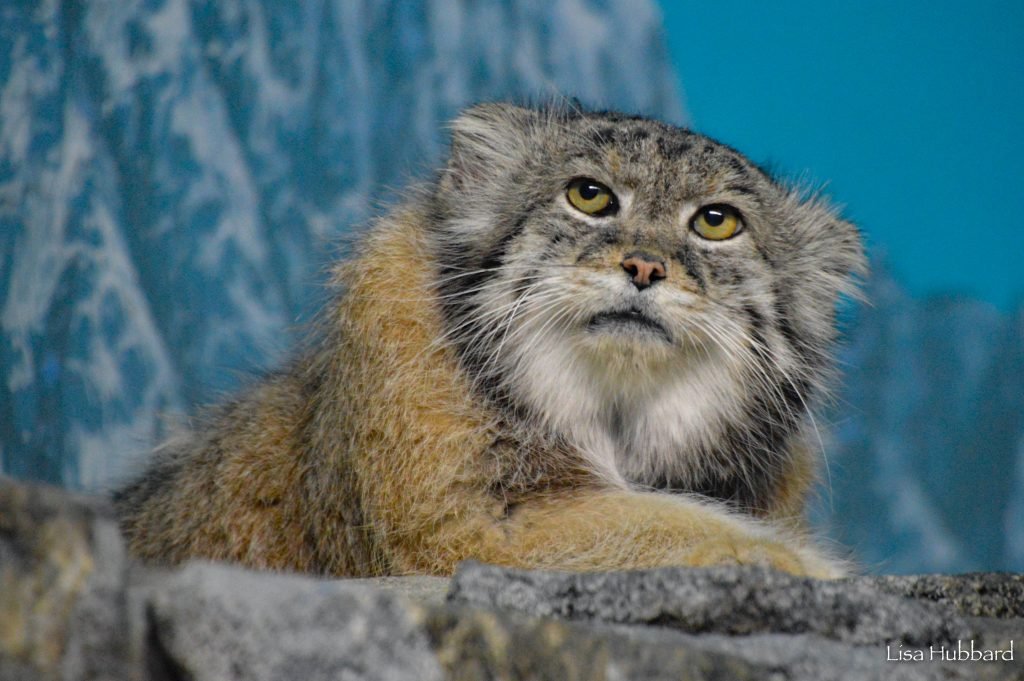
643, 268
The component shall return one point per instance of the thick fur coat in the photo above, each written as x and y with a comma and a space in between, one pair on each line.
509, 375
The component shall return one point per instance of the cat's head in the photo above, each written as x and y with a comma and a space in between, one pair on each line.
595, 262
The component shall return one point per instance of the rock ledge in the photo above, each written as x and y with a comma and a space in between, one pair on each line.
74, 606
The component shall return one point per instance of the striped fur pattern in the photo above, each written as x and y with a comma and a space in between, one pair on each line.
491, 382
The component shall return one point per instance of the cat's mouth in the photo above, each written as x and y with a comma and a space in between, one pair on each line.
632, 321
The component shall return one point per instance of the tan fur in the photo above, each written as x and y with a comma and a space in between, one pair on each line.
373, 455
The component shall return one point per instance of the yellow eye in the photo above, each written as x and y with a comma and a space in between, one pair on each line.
591, 197
717, 222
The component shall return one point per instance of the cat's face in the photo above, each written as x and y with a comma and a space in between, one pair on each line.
623, 275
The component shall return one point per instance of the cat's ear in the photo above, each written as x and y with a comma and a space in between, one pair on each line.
487, 139
824, 260
832, 248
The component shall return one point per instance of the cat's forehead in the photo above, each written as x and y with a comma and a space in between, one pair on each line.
651, 154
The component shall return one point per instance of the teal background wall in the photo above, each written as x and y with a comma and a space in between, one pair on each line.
911, 111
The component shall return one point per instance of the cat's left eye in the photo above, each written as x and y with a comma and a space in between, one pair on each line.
717, 222
591, 197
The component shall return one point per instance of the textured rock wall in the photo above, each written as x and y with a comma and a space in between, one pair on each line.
73, 606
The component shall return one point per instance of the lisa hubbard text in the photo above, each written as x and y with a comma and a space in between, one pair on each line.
949, 654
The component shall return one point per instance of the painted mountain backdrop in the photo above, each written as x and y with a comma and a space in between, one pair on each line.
174, 175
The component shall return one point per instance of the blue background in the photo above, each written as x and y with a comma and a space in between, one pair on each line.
911, 111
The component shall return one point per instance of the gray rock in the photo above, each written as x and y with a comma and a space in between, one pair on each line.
63, 603
807, 657
216, 622
419, 588
768, 624
73, 606
479, 644
726, 600
982, 594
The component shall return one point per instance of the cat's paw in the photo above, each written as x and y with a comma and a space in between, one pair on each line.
796, 560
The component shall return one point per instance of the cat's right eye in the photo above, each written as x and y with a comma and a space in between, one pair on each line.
591, 197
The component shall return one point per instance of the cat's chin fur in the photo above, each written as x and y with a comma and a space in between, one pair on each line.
638, 406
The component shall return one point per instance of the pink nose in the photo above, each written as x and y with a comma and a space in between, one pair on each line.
643, 269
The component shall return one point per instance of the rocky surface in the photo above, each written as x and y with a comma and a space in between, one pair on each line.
74, 606
735, 601
978, 595
217, 622
63, 579
779, 624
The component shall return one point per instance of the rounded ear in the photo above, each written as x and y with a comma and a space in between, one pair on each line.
824, 261
830, 252
487, 137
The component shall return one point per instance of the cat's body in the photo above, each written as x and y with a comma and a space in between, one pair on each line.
555, 357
